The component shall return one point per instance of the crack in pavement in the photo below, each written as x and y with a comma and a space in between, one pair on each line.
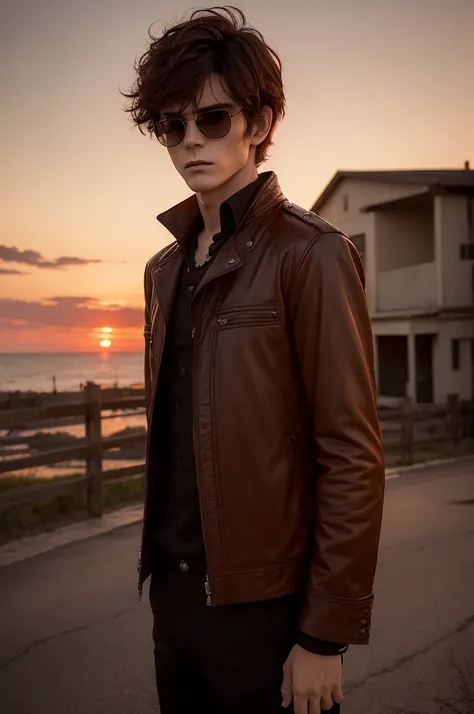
408, 658
5, 664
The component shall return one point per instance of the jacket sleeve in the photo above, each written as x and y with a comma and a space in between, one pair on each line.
147, 335
333, 340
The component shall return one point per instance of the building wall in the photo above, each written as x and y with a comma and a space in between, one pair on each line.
405, 237
439, 234
451, 231
446, 380
353, 195
359, 194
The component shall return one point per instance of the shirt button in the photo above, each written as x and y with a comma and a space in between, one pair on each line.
184, 567
191, 288
363, 631
182, 372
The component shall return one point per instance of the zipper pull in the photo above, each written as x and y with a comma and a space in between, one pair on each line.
207, 588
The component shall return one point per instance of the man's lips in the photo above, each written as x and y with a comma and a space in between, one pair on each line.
191, 164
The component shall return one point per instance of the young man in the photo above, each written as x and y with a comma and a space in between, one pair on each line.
265, 472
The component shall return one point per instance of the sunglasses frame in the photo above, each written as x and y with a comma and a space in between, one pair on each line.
152, 126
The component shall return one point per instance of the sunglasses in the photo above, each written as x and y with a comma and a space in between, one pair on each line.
213, 124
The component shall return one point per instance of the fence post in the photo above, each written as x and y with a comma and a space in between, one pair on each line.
95, 491
453, 420
407, 432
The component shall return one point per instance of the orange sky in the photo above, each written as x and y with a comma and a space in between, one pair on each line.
370, 84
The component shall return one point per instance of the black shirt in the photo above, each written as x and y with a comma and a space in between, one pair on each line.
177, 527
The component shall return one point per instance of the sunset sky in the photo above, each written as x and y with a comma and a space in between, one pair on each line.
371, 84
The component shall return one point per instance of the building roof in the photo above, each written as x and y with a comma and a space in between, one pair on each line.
457, 180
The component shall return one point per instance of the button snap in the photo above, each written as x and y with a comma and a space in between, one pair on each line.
222, 321
363, 622
308, 214
249, 243
363, 631
274, 313
191, 288
231, 261
184, 567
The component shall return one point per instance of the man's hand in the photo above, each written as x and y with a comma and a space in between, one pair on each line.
313, 681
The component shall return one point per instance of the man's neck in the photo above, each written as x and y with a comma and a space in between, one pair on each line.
210, 203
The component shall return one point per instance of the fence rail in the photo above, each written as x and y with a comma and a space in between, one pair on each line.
404, 430
90, 449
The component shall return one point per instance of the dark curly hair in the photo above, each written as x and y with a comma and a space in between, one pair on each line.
215, 40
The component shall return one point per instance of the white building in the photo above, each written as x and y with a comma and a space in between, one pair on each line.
415, 230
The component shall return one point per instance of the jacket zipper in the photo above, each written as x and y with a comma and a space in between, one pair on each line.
207, 582
152, 405
249, 317
145, 509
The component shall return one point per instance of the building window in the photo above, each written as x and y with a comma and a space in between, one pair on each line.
455, 354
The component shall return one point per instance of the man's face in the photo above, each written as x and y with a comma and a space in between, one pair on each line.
224, 157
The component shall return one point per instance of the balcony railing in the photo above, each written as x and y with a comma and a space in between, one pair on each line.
411, 288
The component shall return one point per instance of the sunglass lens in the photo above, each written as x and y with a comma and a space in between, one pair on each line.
170, 132
215, 124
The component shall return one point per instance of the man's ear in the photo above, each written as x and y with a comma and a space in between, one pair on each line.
261, 126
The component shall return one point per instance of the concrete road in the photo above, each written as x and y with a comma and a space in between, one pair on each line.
75, 640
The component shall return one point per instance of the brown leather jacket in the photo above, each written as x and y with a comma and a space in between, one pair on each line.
287, 441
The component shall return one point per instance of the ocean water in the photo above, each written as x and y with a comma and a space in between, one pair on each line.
35, 372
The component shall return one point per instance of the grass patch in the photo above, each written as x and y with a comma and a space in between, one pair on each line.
432, 450
28, 519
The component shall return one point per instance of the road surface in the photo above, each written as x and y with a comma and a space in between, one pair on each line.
75, 640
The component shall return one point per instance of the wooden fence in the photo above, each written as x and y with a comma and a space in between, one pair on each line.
405, 430
91, 451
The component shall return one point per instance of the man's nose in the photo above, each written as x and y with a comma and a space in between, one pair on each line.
193, 136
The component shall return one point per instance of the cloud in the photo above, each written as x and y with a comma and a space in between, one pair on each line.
32, 257
7, 271
68, 312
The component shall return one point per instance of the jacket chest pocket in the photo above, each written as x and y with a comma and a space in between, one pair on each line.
248, 317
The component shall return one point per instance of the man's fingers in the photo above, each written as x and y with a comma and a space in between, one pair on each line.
301, 704
326, 702
337, 695
287, 686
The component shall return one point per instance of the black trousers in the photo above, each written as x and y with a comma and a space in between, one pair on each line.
223, 660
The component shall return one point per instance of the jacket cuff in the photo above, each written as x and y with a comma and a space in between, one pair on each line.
337, 619
320, 647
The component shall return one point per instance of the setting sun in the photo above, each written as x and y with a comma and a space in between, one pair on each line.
105, 343
108, 330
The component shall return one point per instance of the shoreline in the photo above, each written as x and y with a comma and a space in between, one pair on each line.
18, 399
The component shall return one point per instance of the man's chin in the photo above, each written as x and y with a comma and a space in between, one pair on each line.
202, 184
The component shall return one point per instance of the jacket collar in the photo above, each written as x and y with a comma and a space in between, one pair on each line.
184, 219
